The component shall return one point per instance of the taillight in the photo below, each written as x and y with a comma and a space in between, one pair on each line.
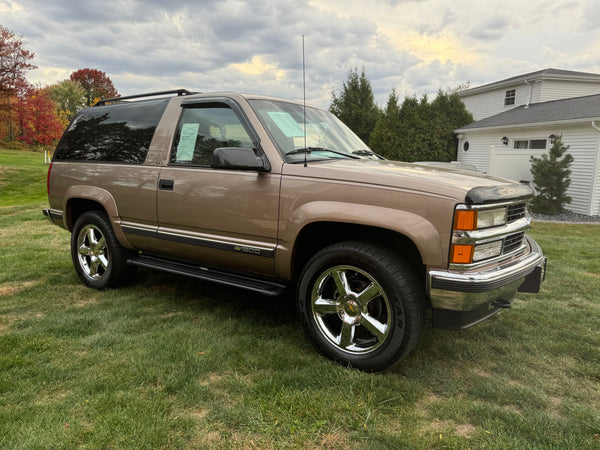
48, 179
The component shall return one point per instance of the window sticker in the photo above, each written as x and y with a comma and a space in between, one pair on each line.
187, 142
286, 124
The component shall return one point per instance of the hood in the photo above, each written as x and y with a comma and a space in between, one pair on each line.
460, 185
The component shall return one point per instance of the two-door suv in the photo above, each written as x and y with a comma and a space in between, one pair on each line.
262, 194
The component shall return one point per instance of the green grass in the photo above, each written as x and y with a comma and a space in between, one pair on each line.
22, 177
170, 362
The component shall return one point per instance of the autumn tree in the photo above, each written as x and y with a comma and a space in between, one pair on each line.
14, 63
95, 83
355, 105
39, 119
69, 97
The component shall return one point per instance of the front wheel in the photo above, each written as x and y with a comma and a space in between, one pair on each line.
98, 257
361, 305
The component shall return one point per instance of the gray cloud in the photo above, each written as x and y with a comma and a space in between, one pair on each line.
492, 28
154, 44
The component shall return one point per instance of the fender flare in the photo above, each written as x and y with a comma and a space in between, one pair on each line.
98, 195
419, 230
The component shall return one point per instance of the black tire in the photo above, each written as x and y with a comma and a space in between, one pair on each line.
98, 257
361, 305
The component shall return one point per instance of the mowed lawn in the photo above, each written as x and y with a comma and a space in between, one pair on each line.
170, 362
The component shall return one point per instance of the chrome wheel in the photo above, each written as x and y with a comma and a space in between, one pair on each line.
92, 252
351, 309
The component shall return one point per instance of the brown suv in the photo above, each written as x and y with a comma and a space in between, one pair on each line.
263, 193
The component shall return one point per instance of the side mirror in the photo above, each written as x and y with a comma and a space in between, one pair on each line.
237, 158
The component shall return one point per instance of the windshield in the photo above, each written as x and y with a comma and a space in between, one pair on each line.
326, 136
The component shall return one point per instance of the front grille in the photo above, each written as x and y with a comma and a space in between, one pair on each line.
513, 242
516, 212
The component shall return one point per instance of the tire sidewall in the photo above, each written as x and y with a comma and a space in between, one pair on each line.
403, 295
100, 221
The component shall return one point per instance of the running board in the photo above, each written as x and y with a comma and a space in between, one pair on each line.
228, 279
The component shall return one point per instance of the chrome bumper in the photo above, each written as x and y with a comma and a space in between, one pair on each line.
462, 299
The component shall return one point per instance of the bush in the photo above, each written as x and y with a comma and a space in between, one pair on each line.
551, 176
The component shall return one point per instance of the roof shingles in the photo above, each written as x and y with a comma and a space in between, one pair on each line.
575, 109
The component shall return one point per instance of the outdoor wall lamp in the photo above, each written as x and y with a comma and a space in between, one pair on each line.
504, 140
552, 137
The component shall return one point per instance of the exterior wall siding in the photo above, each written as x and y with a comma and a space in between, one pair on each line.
491, 103
489, 156
595, 203
557, 89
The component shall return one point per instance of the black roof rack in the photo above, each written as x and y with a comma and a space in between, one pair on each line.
179, 92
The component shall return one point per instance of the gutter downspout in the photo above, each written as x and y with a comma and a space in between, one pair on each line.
530, 93
595, 198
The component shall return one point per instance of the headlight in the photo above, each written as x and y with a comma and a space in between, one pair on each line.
488, 218
473, 219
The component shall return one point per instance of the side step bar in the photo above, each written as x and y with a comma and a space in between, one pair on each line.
252, 284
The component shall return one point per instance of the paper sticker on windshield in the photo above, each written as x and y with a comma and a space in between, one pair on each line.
286, 124
187, 141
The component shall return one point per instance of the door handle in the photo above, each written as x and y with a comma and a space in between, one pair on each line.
166, 185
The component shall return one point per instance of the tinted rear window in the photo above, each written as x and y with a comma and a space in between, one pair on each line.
115, 133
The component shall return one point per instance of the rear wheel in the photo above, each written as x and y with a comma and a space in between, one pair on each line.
361, 305
98, 257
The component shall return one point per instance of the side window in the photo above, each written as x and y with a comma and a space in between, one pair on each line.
119, 133
203, 128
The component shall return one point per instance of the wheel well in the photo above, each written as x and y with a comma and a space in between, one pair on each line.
77, 206
318, 235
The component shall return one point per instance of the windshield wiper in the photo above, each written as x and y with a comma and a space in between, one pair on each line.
320, 149
367, 153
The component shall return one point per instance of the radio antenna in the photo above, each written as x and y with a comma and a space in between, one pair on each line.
304, 99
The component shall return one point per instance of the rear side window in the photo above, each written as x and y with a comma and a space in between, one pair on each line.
118, 133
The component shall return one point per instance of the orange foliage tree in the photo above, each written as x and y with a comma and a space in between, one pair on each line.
39, 120
14, 62
95, 83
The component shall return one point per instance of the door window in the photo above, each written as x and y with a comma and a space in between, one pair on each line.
203, 128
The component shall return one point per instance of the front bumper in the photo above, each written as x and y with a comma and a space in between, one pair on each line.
462, 299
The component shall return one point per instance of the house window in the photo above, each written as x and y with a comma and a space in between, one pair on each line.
521, 144
535, 144
509, 98
539, 144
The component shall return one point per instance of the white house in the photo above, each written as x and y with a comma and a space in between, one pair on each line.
519, 117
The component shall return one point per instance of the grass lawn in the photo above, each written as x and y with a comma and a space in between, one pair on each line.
170, 362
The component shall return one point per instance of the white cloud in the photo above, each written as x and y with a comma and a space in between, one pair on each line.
416, 46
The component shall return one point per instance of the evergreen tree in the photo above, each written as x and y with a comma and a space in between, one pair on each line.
551, 176
449, 114
420, 130
386, 136
355, 105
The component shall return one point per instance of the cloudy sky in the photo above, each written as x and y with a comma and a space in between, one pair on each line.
255, 46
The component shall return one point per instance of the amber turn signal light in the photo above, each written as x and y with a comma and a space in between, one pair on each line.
462, 254
465, 220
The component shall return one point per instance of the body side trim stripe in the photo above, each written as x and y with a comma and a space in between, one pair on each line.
201, 242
